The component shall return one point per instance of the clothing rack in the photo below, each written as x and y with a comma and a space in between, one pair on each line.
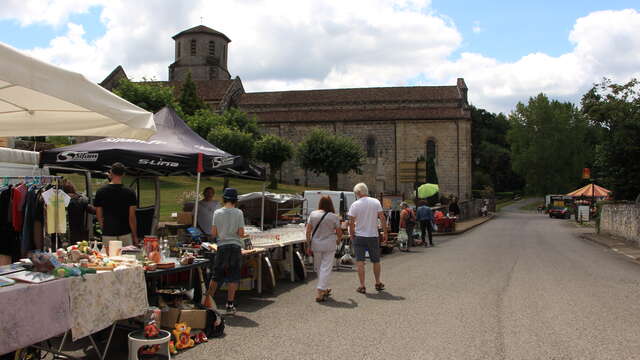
39, 180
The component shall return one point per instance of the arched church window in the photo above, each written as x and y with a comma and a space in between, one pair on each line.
431, 149
178, 49
213, 73
193, 47
371, 146
212, 48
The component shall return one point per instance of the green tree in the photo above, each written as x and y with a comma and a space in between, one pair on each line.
491, 152
615, 110
189, 100
239, 120
273, 150
202, 121
547, 143
59, 141
233, 141
324, 153
148, 95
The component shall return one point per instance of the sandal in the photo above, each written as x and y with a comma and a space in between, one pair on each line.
361, 290
379, 286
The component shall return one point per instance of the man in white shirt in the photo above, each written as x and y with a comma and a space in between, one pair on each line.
364, 214
206, 208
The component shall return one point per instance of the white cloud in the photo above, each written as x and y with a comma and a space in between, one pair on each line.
331, 44
605, 46
51, 12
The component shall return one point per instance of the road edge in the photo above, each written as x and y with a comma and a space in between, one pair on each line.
458, 232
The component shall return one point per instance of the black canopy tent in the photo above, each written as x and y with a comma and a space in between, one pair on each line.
174, 150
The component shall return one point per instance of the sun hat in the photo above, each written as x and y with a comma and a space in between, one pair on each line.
230, 194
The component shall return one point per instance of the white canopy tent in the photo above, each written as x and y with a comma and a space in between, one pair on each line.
39, 99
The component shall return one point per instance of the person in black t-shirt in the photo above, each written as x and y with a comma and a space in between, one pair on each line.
116, 209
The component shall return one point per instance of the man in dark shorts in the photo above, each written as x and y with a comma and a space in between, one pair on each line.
116, 209
228, 227
363, 228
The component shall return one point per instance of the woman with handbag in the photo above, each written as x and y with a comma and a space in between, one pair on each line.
323, 236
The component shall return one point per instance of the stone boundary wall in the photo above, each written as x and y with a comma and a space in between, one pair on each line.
621, 220
470, 209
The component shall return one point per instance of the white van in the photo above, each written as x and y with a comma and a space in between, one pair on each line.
312, 198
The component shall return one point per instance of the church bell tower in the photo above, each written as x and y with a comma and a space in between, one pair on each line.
201, 51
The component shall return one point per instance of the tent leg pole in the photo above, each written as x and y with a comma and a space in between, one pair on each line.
195, 208
156, 210
264, 185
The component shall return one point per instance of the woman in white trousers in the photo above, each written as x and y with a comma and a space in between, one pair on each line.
323, 236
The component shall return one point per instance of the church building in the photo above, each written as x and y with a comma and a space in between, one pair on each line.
398, 127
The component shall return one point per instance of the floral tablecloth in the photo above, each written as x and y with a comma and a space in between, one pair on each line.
32, 313
104, 298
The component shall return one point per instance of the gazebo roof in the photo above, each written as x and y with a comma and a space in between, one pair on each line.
591, 190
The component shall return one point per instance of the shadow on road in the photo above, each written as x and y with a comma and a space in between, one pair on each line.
252, 304
351, 304
384, 295
240, 321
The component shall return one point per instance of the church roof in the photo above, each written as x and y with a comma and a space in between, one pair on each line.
201, 29
358, 95
365, 104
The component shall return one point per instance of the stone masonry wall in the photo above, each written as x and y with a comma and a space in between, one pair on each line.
412, 140
621, 220
409, 136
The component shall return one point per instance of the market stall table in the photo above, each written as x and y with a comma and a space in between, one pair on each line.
32, 313
153, 277
82, 306
288, 245
246, 254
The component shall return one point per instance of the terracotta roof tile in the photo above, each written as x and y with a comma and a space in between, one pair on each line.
360, 95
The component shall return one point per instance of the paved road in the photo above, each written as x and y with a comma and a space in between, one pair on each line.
521, 286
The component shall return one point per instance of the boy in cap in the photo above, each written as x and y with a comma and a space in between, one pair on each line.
228, 227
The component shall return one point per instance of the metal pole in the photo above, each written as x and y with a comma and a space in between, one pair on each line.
264, 186
156, 209
195, 209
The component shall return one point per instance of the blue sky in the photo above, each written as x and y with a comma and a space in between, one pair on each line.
507, 51
39, 35
512, 29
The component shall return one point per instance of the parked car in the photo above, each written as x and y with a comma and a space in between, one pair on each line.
559, 212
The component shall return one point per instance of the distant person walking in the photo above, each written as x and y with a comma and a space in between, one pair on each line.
364, 214
425, 218
323, 236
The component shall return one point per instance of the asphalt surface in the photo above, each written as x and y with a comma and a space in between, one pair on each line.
521, 286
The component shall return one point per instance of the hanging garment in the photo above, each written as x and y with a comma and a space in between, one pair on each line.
17, 206
9, 244
56, 201
78, 210
26, 242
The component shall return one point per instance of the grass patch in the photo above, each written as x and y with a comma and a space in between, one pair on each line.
175, 187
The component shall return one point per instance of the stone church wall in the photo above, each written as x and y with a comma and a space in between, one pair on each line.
409, 136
